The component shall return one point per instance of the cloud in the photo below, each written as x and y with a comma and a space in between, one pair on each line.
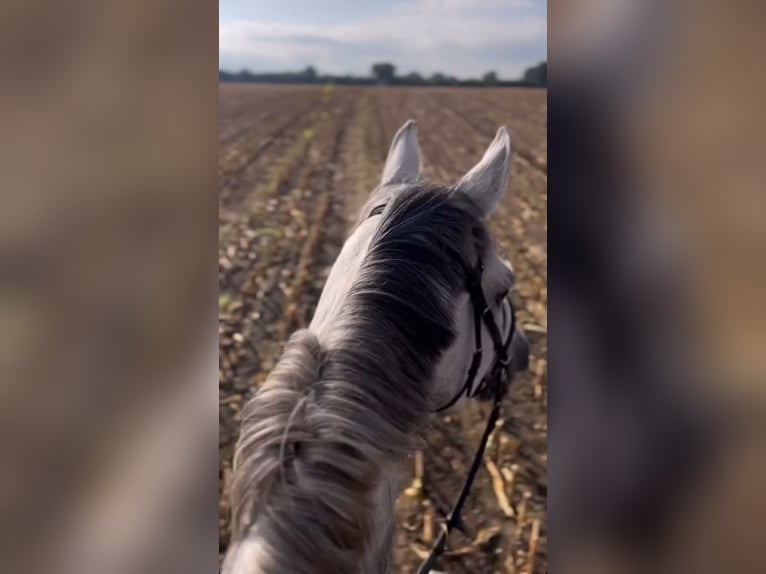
453, 36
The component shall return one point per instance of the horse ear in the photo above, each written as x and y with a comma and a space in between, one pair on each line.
488, 179
403, 161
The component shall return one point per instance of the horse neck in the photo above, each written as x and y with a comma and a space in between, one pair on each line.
251, 555
316, 462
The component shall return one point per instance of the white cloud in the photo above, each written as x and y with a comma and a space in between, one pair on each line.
454, 36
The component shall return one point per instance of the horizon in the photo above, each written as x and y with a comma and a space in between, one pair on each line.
456, 38
369, 74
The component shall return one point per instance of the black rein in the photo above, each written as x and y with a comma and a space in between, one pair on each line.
497, 380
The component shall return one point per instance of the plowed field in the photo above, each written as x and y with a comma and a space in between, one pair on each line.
296, 163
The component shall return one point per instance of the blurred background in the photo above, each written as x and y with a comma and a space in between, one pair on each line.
657, 340
311, 95
107, 289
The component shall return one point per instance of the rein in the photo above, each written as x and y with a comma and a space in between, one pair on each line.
498, 384
454, 519
495, 381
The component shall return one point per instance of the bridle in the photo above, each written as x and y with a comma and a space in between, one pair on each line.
483, 313
495, 381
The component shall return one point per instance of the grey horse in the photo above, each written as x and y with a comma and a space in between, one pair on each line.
317, 464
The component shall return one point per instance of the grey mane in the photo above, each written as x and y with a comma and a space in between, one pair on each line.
326, 424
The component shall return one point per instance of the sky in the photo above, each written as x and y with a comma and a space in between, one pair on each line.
465, 38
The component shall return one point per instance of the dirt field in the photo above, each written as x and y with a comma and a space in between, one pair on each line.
295, 165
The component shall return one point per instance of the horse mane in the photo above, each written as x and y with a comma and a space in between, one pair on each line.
317, 436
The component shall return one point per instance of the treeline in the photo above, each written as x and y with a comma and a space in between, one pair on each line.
384, 73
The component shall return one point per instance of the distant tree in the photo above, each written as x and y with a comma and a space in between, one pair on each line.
437, 79
384, 72
538, 75
490, 78
243, 76
451, 81
309, 75
412, 79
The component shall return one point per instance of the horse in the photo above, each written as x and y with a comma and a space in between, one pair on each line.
396, 335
